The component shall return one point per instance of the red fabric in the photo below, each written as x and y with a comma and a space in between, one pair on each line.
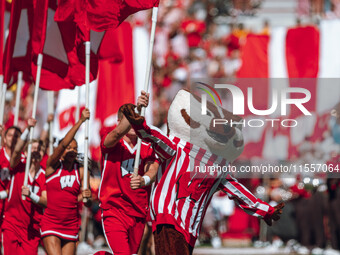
16, 241
123, 232
2, 21
70, 74
102, 15
5, 178
116, 79
57, 72
110, 47
10, 42
38, 33
241, 226
115, 190
302, 52
24, 214
302, 56
255, 57
61, 215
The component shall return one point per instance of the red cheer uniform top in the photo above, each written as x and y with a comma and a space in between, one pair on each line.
117, 167
24, 215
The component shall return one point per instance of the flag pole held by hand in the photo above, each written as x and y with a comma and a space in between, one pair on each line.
34, 111
147, 81
86, 142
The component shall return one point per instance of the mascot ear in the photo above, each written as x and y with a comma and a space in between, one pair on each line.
130, 113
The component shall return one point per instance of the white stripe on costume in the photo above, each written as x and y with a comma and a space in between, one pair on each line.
101, 180
58, 233
107, 241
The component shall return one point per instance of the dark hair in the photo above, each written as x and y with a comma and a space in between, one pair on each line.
70, 142
13, 127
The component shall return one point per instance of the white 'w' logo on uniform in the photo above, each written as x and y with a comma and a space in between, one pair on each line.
67, 181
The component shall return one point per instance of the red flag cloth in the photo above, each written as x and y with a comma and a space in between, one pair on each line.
302, 56
254, 71
64, 54
116, 80
63, 50
38, 33
16, 7
2, 25
105, 14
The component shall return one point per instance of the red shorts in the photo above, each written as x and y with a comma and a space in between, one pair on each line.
68, 231
123, 233
19, 242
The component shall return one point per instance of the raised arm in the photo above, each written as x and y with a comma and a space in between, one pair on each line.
115, 135
58, 152
161, 144
21, 142
248, 202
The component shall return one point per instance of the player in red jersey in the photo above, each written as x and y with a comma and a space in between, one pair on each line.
22, 217
124, 210
60, 223
10, 138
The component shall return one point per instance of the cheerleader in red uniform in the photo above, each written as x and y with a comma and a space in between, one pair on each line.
64, 178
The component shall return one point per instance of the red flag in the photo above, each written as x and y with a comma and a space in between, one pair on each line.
116, 80
102, 15
63, 49
302, 56
16, 8
2, 21
38, 32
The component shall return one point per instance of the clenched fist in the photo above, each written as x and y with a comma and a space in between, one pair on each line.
133, 117
276, 215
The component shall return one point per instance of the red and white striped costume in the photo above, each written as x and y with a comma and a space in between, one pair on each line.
182, 194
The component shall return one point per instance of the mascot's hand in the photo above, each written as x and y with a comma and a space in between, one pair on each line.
133, 117
276, 215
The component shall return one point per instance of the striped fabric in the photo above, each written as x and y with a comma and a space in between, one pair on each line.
183, 191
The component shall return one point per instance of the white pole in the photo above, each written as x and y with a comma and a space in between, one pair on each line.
34, 111
87, 84
17, 100
147, 81
3, 87
78, 105
50, 110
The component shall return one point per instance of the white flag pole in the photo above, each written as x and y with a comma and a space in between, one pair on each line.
86, 142
3, 87
17, 99
78, 105
50, 110
34, 111
147, 81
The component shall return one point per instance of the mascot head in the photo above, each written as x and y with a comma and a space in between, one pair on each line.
186, 122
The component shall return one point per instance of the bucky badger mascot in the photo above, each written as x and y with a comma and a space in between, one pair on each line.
191, 155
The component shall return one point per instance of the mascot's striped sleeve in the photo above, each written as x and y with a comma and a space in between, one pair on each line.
184, 185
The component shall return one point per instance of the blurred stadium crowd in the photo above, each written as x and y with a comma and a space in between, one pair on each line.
204, 39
